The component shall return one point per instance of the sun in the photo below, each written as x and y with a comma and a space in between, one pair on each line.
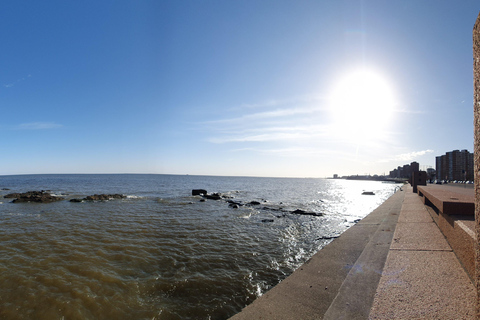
362, 104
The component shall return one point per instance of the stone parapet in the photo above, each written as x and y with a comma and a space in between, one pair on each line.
476, 119
448, 201
453, 212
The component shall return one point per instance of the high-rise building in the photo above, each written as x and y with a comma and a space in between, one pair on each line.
455, 165
405, 171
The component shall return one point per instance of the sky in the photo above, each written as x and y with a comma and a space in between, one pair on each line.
237, 88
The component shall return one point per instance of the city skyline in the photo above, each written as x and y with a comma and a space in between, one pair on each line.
251, 88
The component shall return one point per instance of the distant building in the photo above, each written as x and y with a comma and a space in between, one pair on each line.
415, 166
335, 176
455, 165
431, 173
405, 172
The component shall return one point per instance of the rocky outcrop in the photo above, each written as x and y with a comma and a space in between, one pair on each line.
306, 213
100, 197
213, 196
33, 196
199, 192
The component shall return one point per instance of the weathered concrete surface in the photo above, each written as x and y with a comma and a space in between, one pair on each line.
341, 279
476, 122
422, 277
458, 224
449, 200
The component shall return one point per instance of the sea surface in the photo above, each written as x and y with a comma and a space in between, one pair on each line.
161, 253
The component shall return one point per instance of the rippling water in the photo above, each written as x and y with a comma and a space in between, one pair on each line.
162, 253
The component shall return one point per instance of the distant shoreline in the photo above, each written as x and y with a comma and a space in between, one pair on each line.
372, 178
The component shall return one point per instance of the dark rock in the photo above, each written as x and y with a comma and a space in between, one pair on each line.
12, 195
234, 202
100, 197
233, 205
272, 209
199, 192
104, 197
327, 237
368, 193
301, 212
267, 220
254, 203
33, 196
202, 200
213, 196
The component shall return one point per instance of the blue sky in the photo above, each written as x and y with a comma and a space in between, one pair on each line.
232, 87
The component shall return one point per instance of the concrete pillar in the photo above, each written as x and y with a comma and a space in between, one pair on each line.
476, 119
418, 178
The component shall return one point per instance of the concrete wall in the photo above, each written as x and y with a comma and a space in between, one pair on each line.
476, 112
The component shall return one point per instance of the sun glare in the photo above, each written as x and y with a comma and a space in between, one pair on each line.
362, 105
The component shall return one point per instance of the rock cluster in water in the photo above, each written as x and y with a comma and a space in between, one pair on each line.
100, 197
46, 197
33, 196
235, 204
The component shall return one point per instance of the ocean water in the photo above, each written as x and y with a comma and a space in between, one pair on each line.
161, 253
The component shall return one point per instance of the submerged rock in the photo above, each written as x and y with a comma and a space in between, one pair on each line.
231, 203
33, 196
100, 197
306, 213
327, 237
213, 196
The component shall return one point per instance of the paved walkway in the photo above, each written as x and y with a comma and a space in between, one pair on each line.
422, 277
394, 264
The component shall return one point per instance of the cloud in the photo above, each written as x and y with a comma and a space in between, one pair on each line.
293, 151
285, 133
407, 156
267, 115
276, 103
9, 85
38, 126
294, 120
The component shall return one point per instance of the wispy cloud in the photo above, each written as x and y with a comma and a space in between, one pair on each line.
281, 102
291, 151
410, 156
285, 133
38, 126
294, 120
12, 84
267, 115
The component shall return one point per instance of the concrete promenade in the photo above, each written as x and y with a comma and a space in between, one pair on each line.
394, 264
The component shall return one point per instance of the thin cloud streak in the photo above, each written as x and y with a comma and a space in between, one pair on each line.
38, 126
9, 85
272, 134
276, 103
407, 156
278, 113
293, 151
